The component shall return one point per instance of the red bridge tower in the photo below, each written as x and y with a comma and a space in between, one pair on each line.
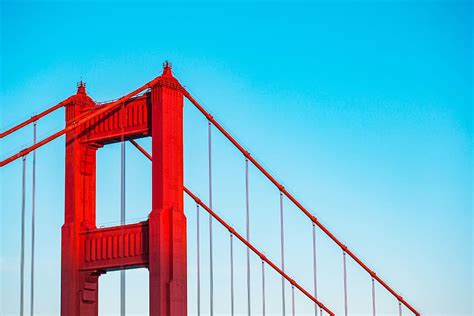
159, 243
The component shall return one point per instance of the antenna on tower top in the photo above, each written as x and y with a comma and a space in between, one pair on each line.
81, 87
167, 68
167, 64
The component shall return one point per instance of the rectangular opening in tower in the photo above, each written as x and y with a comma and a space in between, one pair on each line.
136, 293
109, 184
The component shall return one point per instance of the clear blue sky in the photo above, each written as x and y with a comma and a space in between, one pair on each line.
363, 109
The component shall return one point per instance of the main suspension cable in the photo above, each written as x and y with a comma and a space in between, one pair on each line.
295, 201
86, 117
35, 118
256, 251
244, 241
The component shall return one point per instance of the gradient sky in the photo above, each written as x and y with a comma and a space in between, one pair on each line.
363, 109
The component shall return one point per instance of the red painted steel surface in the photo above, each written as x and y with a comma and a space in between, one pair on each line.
79, 289
167, 223
133, 120
114, 248
158, 244
89, 126
258, 253
79, 120
244, 241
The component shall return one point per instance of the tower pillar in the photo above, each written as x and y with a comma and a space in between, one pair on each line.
79, 289
167, 222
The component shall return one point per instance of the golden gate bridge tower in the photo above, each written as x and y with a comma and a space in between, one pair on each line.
159, 243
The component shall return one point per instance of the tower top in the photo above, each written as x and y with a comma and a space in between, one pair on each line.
167, 68
81, 87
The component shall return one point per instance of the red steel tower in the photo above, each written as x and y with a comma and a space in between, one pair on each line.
159, 244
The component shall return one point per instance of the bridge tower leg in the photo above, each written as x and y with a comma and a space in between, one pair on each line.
167, 222
79, 290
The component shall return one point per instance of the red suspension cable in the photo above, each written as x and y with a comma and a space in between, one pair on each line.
79, 122
141, 149
282, 189
244, 241
298, 204
35, 118
257, 252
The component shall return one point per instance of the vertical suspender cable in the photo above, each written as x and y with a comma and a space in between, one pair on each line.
248, 231
373, 297
345, 282
315, 278
293, 300
33, 208
263, 288
231, 275
22, 257
198, 261
400, 308
211, 271
282, 244
122, 210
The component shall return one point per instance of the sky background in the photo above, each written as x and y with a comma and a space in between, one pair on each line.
363, 110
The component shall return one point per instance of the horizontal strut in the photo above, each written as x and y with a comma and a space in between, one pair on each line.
78, 122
